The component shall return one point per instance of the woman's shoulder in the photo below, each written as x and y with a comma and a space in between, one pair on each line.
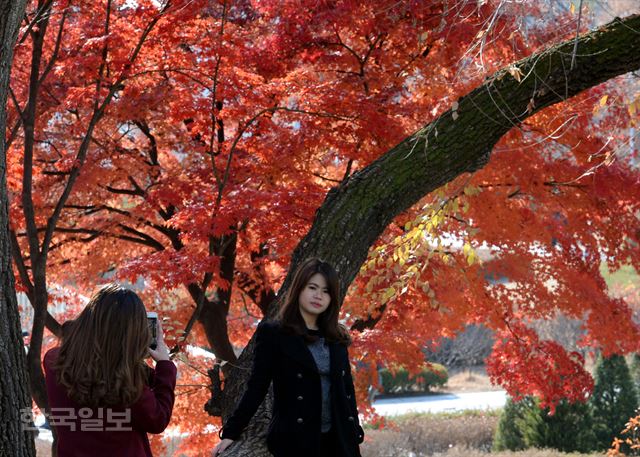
49, 361
269, 326
51, 355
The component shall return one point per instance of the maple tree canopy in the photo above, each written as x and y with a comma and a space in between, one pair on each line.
398, 140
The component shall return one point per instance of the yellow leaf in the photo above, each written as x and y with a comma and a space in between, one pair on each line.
471, 258
471, 191
603, 100
466, 248
572, 8
388, 293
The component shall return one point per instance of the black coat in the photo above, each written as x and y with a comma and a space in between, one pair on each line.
297, 400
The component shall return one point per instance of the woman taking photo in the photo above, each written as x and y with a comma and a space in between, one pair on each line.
103, 397
304, 352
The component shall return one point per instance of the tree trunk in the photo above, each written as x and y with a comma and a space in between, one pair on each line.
355, 213
14, 382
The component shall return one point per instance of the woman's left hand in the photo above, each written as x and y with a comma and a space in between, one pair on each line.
161, 352
220, 448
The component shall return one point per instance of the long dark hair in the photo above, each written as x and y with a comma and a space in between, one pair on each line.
289, 315
101, 359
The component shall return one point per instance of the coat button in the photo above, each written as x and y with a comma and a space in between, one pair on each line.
350, 418
349, 397
300, 420
299, 375
299, 397
342, 372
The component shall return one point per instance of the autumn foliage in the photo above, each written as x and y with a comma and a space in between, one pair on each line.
212, 131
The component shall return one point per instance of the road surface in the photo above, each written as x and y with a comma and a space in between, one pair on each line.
441, 403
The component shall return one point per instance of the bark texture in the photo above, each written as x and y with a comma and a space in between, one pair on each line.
355, 213
14, 382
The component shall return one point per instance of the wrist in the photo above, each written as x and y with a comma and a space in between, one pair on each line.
161, 355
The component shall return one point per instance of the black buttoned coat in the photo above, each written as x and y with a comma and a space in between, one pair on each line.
297, 396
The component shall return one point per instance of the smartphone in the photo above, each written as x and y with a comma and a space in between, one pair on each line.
152, 319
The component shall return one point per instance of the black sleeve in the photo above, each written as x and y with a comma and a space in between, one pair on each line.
258, 384
352, 392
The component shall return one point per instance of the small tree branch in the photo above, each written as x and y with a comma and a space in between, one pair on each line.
20, 263
575, 43
153, 153
115, 190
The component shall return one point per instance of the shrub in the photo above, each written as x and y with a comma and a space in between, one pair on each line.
568, 429
525, 424
634, 369
614, 399
508, 433
399, 382
424, 434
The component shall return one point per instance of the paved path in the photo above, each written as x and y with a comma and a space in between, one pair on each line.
441, 403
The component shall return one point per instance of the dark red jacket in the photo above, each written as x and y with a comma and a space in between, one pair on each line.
109, 432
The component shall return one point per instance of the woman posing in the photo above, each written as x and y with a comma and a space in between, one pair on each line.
304, 352
103, 397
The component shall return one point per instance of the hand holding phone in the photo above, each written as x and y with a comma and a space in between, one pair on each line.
152, 319
161, 351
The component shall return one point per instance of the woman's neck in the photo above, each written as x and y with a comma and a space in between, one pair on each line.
310, 320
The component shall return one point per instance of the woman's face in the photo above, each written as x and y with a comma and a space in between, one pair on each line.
314, 298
